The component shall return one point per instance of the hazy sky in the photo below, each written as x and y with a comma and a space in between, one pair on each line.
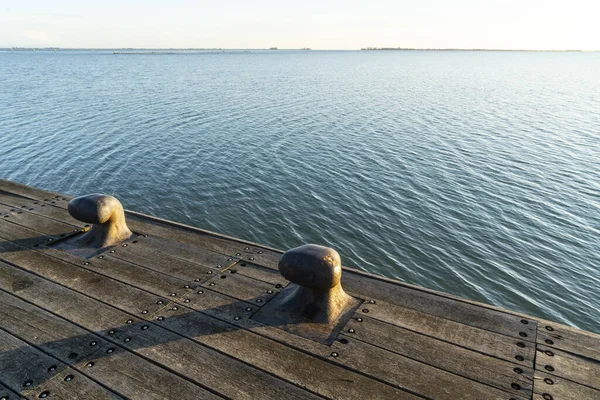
319, 24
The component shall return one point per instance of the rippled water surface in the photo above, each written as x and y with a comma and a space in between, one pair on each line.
475, 173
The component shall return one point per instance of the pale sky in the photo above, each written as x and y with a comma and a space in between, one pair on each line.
318, 24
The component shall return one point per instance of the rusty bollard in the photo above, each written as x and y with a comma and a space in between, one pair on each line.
107, 216
313, 305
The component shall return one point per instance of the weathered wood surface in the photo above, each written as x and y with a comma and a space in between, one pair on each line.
175, 305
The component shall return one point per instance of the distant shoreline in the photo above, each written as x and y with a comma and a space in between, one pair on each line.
275, 49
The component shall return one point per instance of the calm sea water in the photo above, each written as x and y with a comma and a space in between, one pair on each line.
475, 173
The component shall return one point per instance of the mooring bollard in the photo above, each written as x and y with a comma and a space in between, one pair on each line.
314, 304
107, 216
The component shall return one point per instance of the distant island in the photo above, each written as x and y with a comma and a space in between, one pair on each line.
429, 49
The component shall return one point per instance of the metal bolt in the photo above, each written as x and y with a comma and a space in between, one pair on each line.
27, 383
260, 252
219, 266
127, 339
259, 300
209, 272
86, 263
211, 284
145, 327
351, 330
549, 381
145, 312
186, 301
522, 334
44, 394
547, 396
515, 386
68, 378
334, 354
549, 341
109, 351
549, 368
238, 254
125, 245
371, 301
223, 276
173, 294
278, 286
93, 343
112, 251
186, 287
197, 280
246, 248
519, 358
111, 332
524, 321
248, 309
549, 328
359, 319
200, 291
100, 257
365, 310
518, 370
175, 308
72, 356
344, 341
52, 368
160, 318
130, 321
269, 291
251, 258
90, 364
236, 318
520, 344
549, 353
230, 259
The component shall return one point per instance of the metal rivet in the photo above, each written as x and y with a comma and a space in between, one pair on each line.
223, 276
371, 301
127, 339
112, 251
73, 356
186, 287
145, 327
52, 368
125, 245
219, 266
248, 309
111, 332
547, 396
549, 328
130, 321
211, 284
238, 254
209, 272
186, 301
365, 310
246, 248
259, 300
109, 351
175, 308
68, 378
260, 252
145, 312
518, 370
173, 294
200, 291
100, 257
515, 386
519, 358
359, 319
269, 291
44, 394
27, 383
236, 318
549, 368
93, 343
50, 239
86, 263
160, 318
90, 364
278, 286
159, 302
549, 353
351, 330
524, 321
251, 258
548, 381
197, 280
522, 334
344, 341
334, 354
520, 344
230, 259
549, 341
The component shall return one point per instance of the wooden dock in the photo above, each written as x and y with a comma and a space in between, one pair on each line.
174, 312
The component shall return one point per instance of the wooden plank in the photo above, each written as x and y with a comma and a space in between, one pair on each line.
570, 340
458, 360
113, 364
37, 222
483, 341
567, 366
46, 209
548, 387
7, 394
263, 353
30, 372
31, 192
